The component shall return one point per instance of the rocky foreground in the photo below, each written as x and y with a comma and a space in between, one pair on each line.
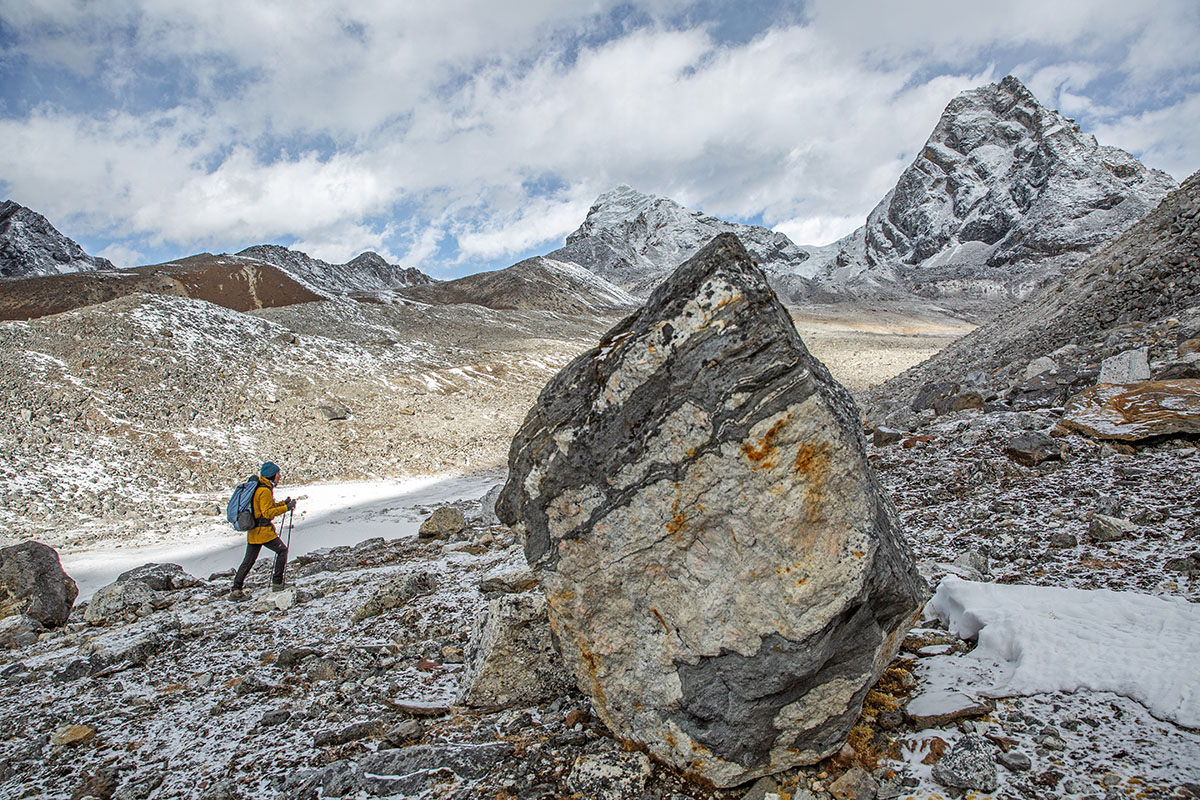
349, 683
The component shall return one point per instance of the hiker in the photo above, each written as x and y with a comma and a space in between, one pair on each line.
263, 533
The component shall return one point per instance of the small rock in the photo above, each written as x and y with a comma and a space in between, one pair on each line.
1104, 528
113, 602
396, 592
882, 437
610, 776
159, 577
968, 765
351, 733
19, 630
761, 789
443, 523
1130, 366
68, 735
408, 730
854, 784
1061, 539
1015, 761
1033, 448
513, 581
277, 717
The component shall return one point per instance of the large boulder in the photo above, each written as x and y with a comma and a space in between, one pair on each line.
724, 575
510, 656
1130, 412
32, 582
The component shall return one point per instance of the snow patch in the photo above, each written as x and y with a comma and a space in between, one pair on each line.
1038, 639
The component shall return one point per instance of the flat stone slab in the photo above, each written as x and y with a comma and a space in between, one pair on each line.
1131, 412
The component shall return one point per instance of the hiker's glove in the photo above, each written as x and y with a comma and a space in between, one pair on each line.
290, 503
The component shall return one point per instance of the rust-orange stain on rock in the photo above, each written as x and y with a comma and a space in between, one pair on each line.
812, 464
760, 455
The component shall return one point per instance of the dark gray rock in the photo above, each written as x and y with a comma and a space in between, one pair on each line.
1014, 761
33, 583
968, 765
350, 733
19, 630
1062, 540
697, 461
412, 770
1032, 448
30, 246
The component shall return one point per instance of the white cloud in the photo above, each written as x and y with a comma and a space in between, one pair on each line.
818, 230
121, 256
315, 121
1165, 138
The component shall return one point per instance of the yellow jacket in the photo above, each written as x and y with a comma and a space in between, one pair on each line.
264, 507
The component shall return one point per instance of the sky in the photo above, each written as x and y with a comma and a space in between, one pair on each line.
466, 135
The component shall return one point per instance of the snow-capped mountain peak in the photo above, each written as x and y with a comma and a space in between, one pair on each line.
30, 246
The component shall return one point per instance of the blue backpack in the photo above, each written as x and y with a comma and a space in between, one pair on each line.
240, 511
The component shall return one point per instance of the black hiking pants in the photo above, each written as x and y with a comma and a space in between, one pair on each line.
252, 550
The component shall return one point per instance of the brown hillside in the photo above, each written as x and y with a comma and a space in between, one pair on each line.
236, 283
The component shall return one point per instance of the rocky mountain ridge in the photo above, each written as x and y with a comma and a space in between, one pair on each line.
1142, 290
540, 282
635, 240
31, 246
1004, 195
366, 272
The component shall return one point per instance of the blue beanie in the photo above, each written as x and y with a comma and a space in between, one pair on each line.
269, 470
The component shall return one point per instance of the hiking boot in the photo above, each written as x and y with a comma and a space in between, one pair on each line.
278, 587
237, 595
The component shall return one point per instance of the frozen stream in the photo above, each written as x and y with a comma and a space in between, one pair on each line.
334, 514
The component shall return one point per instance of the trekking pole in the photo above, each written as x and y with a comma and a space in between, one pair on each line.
291, 514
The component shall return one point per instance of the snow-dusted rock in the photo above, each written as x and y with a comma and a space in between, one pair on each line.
1105, 528
1005, 194
32, 582
510, 657
159, 577
1130, 366
395, 592
19, 630
112, 602
968, 765
636, 240
610, 776
30, 245
368, 272
1131, 412
698, 461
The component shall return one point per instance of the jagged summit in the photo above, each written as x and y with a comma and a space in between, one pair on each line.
635, 240
367, 272
30, 246
1004, 195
